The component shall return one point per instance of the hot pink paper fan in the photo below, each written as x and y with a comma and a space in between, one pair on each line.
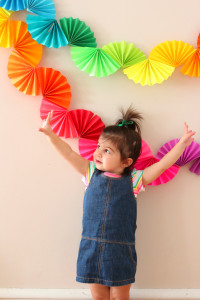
147, 159
87, 148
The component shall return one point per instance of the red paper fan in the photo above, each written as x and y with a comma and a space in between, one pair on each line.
88, 125
54, 86
23, 75
74, 123
87, 148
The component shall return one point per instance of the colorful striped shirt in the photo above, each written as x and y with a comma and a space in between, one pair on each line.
136, 178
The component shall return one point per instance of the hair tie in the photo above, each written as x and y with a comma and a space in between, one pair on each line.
124, 123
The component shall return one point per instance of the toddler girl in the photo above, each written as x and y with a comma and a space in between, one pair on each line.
107, 257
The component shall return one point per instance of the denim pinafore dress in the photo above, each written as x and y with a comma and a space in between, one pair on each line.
107, 252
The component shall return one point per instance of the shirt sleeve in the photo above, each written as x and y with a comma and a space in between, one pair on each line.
137, 182
89, 173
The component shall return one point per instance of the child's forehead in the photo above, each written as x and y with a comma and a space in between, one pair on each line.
106, 142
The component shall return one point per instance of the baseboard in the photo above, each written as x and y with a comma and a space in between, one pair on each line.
14, 293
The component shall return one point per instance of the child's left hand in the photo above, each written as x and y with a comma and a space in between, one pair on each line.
187, 138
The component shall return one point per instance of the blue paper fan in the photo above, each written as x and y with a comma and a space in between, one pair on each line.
46, 31
43, 8
14, 5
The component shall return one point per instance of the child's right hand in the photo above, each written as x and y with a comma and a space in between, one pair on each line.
46, 127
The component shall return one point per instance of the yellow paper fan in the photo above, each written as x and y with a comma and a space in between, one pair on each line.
149, 72
5, 31
172, 53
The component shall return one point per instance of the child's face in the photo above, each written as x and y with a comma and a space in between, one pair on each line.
107, 157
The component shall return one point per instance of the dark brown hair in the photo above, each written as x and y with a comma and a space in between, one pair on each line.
126, 138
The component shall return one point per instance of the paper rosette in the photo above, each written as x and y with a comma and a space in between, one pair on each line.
87, 148
13, 4
172, 53
74, 123
147, 159
124, 54
78, 33
54, 86
23, 43
94, 61
149, 72
192, 152
23, 75
5, 31
46, 31
192, 65
44, 8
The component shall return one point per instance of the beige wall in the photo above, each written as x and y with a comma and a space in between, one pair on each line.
41, 196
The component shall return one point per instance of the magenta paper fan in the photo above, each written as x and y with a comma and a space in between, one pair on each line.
74, 123
87, 148
191, 152
147, 159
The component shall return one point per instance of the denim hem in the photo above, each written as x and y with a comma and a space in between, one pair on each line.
105, 282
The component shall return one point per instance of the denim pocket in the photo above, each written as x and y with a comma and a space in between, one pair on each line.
133, 254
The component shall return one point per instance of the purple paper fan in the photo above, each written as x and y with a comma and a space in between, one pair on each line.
191, 152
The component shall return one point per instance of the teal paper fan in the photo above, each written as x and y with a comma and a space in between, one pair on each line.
94, 61
78, 33
124, 54
43, 8
46, 31
14, 5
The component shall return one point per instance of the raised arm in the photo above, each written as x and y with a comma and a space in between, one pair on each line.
155, 170
77, 161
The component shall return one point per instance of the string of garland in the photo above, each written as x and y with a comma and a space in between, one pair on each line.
159, 66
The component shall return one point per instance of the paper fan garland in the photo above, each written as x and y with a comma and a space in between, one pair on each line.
94, 61
192, 152
87, 148
44, 8
124, 54
46, 31
5, 31
23, 43
149, 72
54, 86
172, 53
192, 65
13, 4
23, 75
74, 123
77, 33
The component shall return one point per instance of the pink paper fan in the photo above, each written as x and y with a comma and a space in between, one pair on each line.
61, 122
195, 168
87, 148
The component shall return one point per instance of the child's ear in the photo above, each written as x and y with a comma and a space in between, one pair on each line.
127, 162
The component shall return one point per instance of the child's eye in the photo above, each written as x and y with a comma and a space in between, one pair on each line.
107, 151
98, 146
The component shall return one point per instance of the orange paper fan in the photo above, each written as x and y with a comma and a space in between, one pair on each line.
54, 86
192, 65
24, 44
23, 75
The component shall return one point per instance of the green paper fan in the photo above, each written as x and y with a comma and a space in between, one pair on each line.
124, 54
94, 61
78, 33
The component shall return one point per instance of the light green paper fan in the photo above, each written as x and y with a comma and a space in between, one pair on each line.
94, 61
124, 54
77, 33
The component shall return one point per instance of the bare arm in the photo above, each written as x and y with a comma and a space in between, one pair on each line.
77, 161
154, 171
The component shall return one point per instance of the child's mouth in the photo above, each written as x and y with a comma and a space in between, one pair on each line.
98, 161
